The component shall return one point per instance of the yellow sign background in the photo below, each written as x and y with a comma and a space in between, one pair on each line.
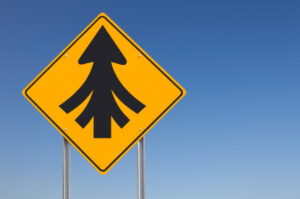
141, 76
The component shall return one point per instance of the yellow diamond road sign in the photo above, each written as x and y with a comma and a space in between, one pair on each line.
103, 93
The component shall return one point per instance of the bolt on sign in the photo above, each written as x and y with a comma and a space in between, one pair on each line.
103, 93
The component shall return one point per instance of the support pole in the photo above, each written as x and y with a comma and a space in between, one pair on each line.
66, 169
141, 168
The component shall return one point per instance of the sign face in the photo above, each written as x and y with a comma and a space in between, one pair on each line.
103, 93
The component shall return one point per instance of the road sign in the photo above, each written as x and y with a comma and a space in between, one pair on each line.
103, 93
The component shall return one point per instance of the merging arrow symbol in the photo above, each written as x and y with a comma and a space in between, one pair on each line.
102, 82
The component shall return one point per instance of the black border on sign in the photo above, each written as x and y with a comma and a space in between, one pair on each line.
103, 170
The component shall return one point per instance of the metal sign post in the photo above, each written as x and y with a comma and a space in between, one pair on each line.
66, 169
141, 168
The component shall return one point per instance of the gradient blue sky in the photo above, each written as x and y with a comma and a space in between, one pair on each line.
235, 135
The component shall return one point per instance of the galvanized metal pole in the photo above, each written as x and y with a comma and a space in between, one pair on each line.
66, 169
141, 168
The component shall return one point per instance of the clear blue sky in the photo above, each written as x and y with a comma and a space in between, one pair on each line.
235, 135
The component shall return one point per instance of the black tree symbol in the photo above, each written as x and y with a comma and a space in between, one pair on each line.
102, 82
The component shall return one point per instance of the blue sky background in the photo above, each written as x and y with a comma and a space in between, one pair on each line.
235, 135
